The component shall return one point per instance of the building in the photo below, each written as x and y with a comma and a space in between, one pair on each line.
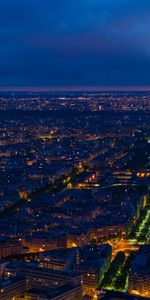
44, 284
12, 288
37, 277
10, 247
61, 259
45, 241
66, 292
139, 279
93, 261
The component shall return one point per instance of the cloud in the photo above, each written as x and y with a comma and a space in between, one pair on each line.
67, 42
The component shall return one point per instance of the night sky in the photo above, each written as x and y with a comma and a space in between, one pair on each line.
74, 43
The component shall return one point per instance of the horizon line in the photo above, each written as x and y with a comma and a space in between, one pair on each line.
76, 89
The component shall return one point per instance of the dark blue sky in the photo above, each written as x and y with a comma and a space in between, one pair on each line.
74, 43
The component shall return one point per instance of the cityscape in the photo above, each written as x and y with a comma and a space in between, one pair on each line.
74, 195
74, 149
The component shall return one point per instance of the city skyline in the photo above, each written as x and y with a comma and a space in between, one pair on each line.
74, 150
